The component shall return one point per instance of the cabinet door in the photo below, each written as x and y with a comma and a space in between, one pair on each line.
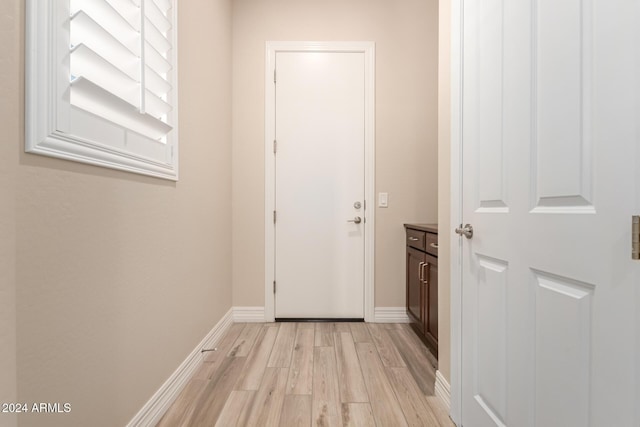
415, 260
431, 303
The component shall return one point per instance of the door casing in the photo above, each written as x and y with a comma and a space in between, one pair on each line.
368, 49
455, 410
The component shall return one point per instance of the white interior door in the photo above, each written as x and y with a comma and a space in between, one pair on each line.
319, 170
550, 300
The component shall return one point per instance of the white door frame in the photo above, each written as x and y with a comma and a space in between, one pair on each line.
368, 49
456, 209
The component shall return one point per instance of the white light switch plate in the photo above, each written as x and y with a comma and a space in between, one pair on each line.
383, 200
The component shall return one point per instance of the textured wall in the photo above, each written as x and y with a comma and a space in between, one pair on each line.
10, 135
406, 37
119, 276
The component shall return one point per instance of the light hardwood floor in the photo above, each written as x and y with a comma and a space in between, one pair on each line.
312, 374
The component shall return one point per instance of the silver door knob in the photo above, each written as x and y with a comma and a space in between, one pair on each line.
466, 231
357, 220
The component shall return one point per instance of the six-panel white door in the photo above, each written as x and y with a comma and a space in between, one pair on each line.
319, 243
550, 295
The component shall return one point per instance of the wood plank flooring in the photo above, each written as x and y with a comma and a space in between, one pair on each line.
312, 374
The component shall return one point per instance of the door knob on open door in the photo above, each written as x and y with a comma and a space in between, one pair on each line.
466, 231
357, 220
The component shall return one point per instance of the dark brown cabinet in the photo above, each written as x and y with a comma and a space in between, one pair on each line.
422, 281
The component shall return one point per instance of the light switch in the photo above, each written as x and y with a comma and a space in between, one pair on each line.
383, 200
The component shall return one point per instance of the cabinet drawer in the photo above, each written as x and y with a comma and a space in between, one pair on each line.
431, 244
416, 239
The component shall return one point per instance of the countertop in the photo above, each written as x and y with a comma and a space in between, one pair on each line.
430, 228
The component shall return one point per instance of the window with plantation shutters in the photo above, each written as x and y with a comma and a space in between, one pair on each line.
101, 83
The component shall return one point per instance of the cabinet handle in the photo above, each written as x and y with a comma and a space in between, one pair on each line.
420, 271
413, 239
425, 274
433, 245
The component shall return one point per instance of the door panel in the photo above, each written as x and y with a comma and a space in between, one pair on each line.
549, 292
491, 335
563, 344
319, 255
491, 161
561, 145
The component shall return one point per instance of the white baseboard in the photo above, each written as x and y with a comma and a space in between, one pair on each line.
443, 390
391, 315
381, 315
154, 409
248, 314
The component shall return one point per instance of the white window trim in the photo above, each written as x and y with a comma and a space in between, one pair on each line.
46, 92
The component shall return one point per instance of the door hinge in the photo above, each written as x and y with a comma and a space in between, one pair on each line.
274, 217
274, 286
275, 146
635, 237
274, 75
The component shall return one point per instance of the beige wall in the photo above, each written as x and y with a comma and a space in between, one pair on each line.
405, 33
118, 276
9, 137
444, 190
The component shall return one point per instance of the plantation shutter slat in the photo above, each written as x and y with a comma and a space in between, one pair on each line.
155, 106
157, 16
163, 5
111, 20
156, 61
121, 62
94, 99
85, 30
155, 83
156, 38
128, 9
88, 64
